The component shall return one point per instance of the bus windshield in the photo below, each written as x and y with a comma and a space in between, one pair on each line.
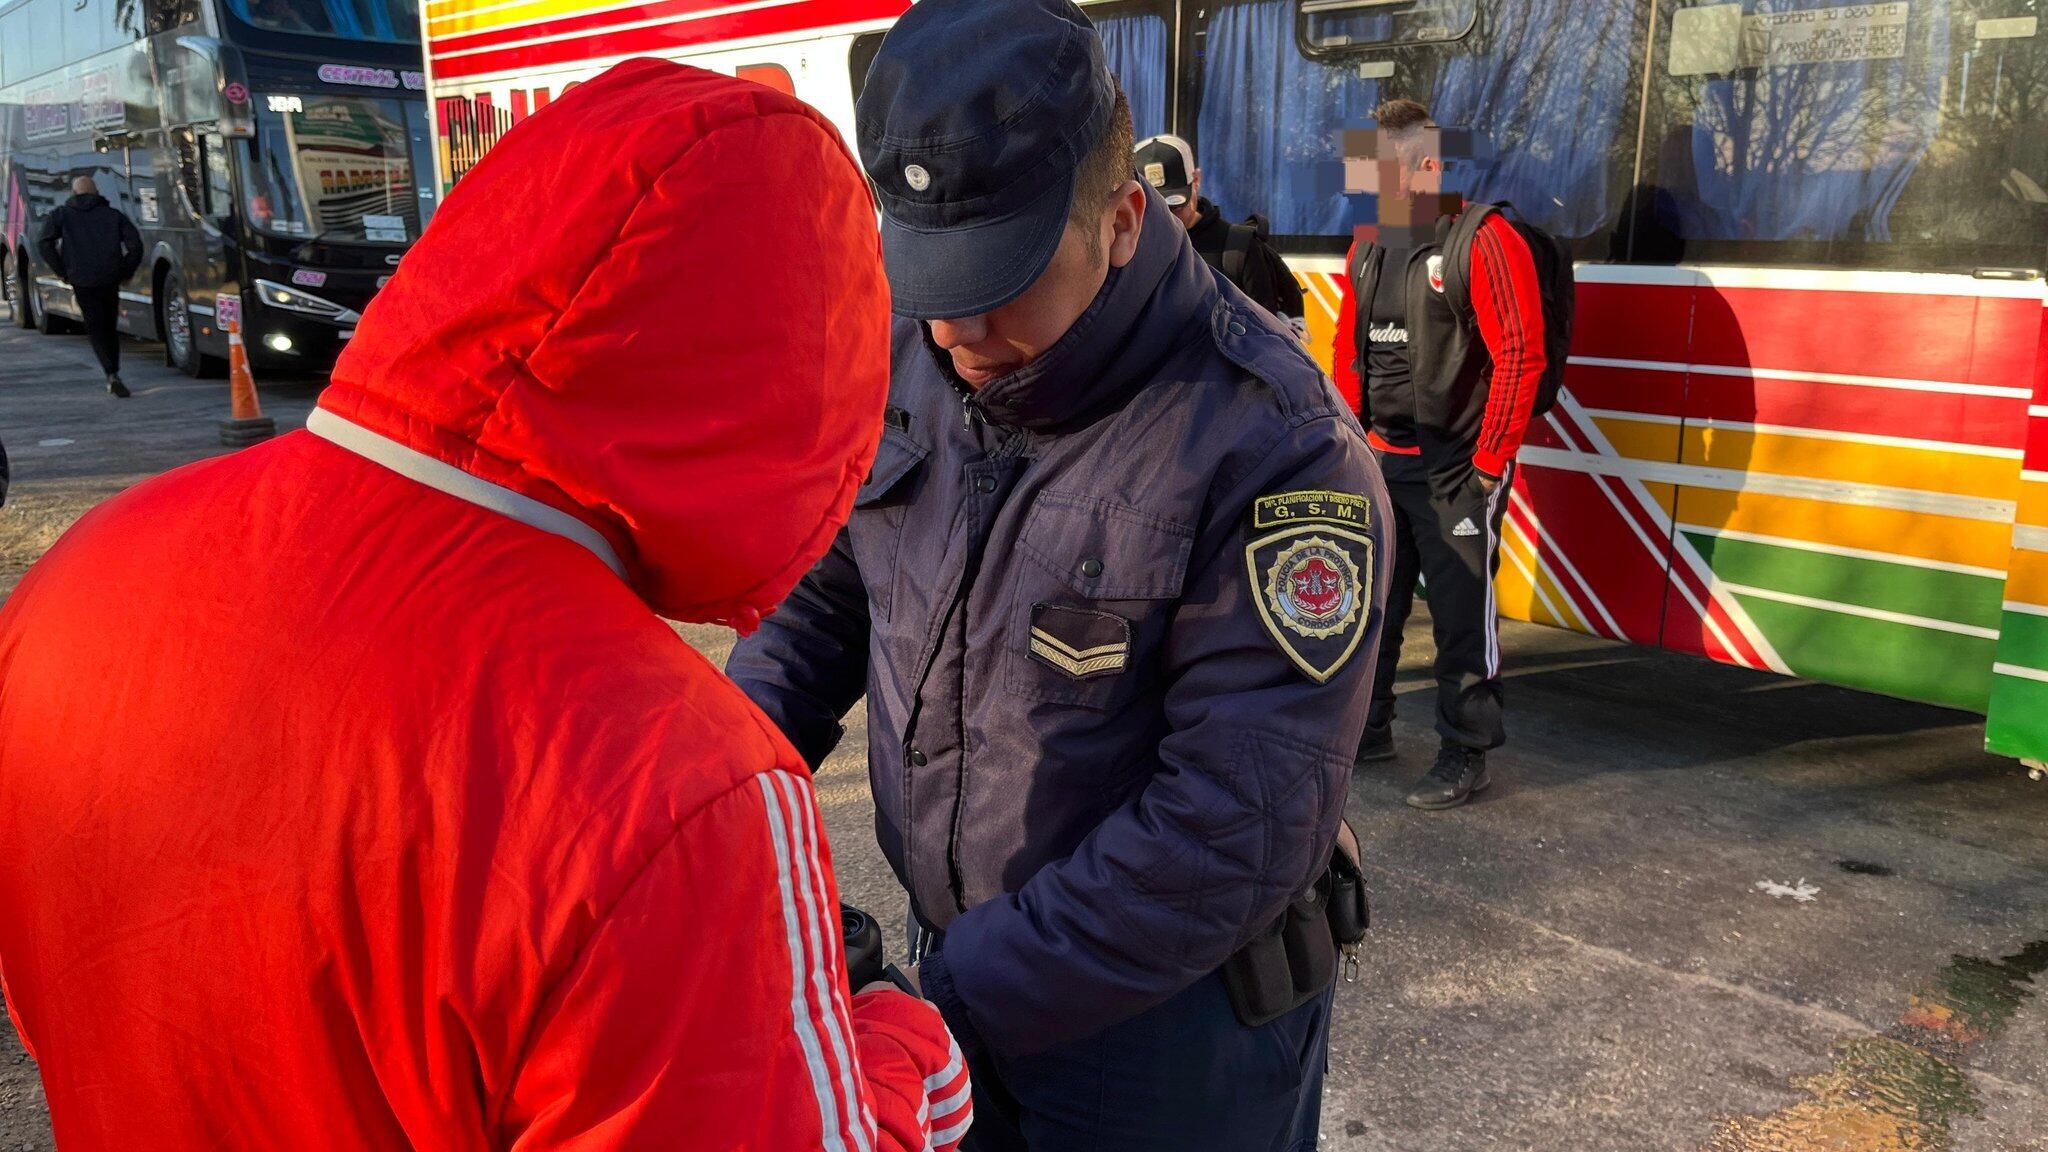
340, 168
396, 21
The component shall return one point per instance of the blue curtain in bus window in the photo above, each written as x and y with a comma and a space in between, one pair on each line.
1136, 49
1271, 121
1548, 88
1793, 148
1546, 85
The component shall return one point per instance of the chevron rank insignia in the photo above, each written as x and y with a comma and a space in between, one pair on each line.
1080, 642
1313, 582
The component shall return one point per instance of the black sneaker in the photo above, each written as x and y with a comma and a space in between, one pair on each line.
1377, 745
115, 386
1457, 774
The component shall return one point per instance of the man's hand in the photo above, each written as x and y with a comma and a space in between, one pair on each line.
1487, 483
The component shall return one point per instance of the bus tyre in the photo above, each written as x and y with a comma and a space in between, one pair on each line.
17, 291
181, 335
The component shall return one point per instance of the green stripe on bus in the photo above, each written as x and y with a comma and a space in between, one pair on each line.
1877, 655
1928, 592
2023, 640
2018, 723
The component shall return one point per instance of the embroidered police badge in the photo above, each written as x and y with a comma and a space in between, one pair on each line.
1310, 560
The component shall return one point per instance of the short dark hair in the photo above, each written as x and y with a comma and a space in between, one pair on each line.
1106, 167
1401, 122
1399, 116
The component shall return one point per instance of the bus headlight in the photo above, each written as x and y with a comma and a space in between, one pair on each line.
293, 300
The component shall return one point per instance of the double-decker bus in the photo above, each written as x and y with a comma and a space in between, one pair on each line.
1805, 425
276, 151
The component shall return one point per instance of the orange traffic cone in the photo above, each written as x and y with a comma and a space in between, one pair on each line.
246, 424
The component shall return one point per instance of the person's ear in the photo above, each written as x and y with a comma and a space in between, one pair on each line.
1126, 221
1195, 185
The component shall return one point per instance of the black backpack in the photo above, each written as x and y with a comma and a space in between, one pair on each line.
1553, 275
1237, 247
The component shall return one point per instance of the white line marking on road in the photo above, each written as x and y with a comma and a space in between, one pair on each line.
55, 442
1801, 891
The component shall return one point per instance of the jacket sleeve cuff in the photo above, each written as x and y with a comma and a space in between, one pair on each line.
936, 980
1490, 463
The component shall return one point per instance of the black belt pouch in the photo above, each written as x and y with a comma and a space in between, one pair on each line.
1291, 962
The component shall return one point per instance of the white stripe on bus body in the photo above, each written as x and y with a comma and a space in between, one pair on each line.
1868, 438
1800, 487
586, 33
1744, 372
2030, 538
1808, 280
1585, 586
1846, 609
2024, 673
826, 1100
2026, 609
1844, 551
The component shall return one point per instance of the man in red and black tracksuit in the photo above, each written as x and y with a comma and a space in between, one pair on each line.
1447, 394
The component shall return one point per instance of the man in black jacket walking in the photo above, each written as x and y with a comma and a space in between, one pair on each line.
94, 247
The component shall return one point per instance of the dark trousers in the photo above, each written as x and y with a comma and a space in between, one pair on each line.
1453, 543
1182, 1077
101, 309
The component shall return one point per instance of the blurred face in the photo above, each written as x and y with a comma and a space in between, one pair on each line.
1405, 171
1001, 341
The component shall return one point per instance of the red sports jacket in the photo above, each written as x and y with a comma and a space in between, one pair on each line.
353, 793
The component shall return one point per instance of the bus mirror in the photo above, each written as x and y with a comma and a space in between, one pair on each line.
208, 85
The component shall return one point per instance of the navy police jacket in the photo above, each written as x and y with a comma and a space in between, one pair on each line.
1114, 616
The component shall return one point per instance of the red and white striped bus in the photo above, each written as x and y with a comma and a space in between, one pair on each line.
1806, 423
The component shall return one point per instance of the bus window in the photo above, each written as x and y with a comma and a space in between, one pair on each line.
341, 168
1337, 24
14, 55
1548, 89
1134, 41
219, 180
164, 15
1905, 134
383, 20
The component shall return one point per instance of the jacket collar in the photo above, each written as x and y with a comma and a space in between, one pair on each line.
1145, 310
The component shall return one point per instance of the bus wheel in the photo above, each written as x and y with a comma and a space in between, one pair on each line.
17, 291
174, 320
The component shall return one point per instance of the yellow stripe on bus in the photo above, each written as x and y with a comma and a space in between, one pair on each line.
2033, 509
1930, 470
2027, 582
1926, 536
465, 16
1519, 598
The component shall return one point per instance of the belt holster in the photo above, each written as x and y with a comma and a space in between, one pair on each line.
1291, 962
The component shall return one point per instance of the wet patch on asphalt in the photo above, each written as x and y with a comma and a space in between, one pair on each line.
1901, 1091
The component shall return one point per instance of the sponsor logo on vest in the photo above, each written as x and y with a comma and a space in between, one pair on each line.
1465, 528
1388, 334
1436, 273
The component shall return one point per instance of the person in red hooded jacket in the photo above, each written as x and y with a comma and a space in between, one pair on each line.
354, 793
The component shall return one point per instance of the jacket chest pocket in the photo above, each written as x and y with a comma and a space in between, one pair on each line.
1095, 586
881, 505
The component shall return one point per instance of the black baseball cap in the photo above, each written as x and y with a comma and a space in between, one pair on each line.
1168, 164
974, 119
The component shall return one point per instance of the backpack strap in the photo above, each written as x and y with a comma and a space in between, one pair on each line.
1237, 249
1457, 253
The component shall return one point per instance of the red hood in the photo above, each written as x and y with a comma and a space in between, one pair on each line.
657, 305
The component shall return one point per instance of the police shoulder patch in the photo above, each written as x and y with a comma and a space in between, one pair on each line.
1309, 556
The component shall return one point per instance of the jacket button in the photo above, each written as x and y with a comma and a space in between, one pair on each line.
985, 484
1236, 329
917, 757
1091, 567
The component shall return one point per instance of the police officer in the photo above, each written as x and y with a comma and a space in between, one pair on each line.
1240, 251
1111, 588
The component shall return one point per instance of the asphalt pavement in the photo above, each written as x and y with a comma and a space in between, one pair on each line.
1700, 909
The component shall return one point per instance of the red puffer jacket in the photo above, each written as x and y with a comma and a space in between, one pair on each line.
350, 796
